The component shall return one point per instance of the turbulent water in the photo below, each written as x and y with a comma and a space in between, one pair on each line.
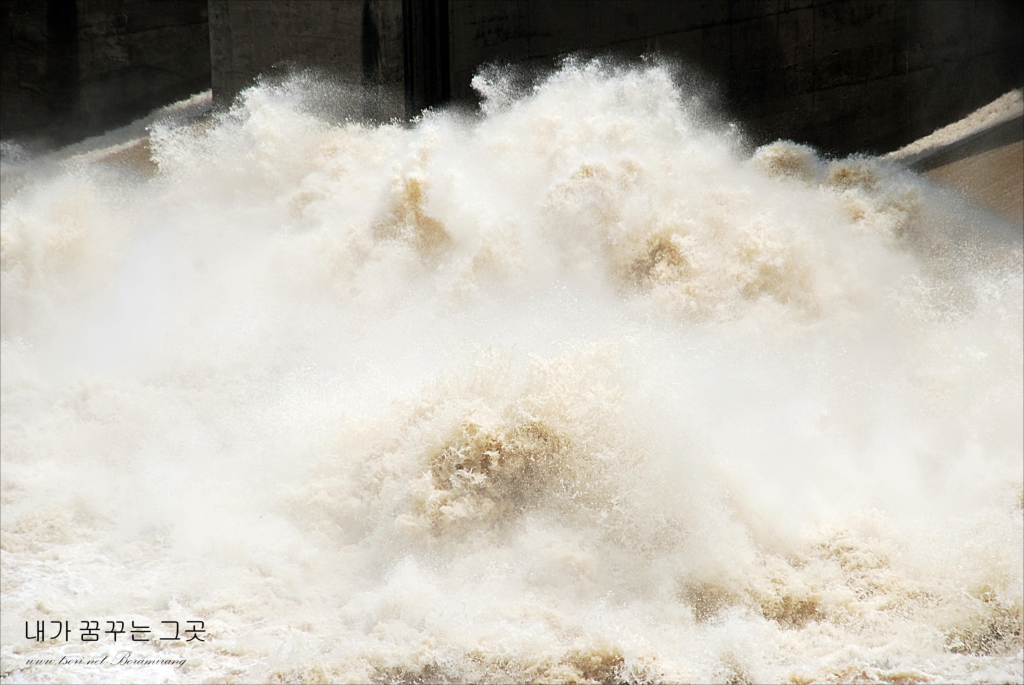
575, 388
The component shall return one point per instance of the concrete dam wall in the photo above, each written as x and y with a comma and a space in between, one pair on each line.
845, 76
74, 69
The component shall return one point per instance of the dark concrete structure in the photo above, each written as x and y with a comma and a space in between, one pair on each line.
844, 75
427, 42
354, 41
72, 69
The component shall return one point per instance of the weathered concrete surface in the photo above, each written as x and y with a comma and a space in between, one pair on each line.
857, 75
73, 69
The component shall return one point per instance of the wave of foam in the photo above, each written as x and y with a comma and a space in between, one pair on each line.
575, 390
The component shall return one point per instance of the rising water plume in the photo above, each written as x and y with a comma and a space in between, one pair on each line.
572, 390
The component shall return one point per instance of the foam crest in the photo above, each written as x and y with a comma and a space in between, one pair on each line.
573, 389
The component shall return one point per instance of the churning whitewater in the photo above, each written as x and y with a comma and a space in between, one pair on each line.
575, 388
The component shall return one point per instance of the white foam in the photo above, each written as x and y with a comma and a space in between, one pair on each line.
570, 391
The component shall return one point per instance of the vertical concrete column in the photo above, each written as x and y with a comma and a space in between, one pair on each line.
427, 69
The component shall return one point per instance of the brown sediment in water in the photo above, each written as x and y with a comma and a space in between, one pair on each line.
993, 178
136, 155
981, 155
